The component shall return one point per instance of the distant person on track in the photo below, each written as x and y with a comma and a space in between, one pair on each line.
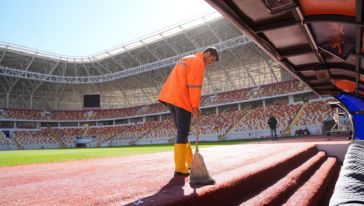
181, 94
272, 123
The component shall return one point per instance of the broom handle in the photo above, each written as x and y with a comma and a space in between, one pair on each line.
197, 131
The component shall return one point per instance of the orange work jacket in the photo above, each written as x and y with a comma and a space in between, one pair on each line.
183, 85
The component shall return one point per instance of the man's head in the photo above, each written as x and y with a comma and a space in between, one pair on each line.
210, 55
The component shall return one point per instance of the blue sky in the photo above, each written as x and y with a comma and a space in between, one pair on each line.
86, 27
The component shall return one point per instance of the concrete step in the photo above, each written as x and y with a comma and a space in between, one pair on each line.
314, 189
277, 193
235, 184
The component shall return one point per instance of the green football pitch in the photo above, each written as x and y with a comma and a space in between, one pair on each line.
18, 157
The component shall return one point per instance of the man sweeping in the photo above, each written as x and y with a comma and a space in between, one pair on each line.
181, 94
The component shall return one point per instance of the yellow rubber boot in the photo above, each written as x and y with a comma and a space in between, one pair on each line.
179, 159
188, 155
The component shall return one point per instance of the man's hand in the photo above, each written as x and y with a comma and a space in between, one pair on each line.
196, 112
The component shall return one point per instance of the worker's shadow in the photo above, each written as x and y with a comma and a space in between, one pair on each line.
173, 190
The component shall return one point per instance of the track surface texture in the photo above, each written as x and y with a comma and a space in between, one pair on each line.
143, 179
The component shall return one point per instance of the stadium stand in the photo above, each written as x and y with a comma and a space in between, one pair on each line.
225, 97
4, 140
130, 133
269, 90
256, 121
68, 115
220, 98
25, 114
165, 130
219, 124
115, 113
247, 123
313, 116
152, 109
69, 135
35, 139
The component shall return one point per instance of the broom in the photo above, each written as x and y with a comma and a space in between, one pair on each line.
199, 174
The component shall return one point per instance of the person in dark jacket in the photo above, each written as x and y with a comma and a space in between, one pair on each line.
272, 122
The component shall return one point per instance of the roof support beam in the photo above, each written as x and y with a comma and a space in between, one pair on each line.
23, 74
170, 46
244, 67
17, 80
266, 61
53, 68
60, 91
113, 59
112, 85
224, 68
3, 55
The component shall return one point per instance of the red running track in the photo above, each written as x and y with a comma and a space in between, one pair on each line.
137, 180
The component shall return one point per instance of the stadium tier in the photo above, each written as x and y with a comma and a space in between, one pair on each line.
216, 124
35, 139
219, 124
69, 135
257, 118
232, 96
24, 114
313, 116
282, 88
165, 130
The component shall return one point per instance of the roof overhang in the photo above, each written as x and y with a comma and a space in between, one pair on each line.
319, 42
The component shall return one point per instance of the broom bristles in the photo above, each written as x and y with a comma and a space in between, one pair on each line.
199, 173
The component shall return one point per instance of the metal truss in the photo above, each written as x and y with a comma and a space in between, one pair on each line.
24, 74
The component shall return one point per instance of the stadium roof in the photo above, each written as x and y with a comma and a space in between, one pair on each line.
149, 61
320, 42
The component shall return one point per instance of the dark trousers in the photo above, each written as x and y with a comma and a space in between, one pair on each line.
182, 120
273, 132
